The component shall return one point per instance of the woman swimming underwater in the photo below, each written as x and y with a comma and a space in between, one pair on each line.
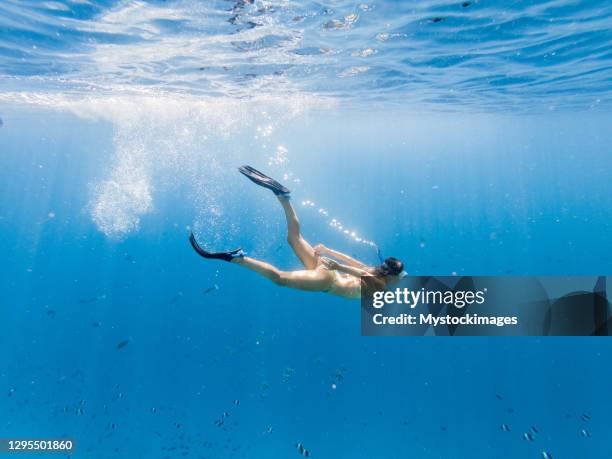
321, 274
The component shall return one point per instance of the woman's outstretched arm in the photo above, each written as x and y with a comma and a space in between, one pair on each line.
350, 261
352, 270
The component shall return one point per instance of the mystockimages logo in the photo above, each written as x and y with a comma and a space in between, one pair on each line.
487, 306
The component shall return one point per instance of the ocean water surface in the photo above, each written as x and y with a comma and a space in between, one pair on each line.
466, 138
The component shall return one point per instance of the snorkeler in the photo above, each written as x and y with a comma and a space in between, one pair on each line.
321, 274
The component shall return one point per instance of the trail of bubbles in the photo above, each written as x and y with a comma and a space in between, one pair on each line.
334, 223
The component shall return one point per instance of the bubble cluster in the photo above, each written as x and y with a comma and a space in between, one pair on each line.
280, 156
164, 142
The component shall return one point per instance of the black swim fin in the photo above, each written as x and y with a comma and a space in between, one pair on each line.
226, 256
263, 180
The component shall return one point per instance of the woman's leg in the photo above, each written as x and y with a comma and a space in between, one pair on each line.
314, 280
300, 246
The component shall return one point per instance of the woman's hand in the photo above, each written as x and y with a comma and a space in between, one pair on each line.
319, 249
329, 263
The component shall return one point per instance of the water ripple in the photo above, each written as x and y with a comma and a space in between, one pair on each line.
487, 55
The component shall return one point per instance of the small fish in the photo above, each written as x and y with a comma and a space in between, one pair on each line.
303, 451
236, 402
533, 430
92, 300
212, 288
11, 391
466, 4
1, 122
528, 436
546, 455
176, 298
585, 433
51, 313
437, 19
339, 375
123, 343
96, 324
585, 417
269, 430
225, 414
153, 410
219, 422
505, 428
498, 397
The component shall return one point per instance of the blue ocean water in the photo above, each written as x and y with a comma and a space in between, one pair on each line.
466, 138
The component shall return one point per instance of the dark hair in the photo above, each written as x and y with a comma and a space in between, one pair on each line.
390, 267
